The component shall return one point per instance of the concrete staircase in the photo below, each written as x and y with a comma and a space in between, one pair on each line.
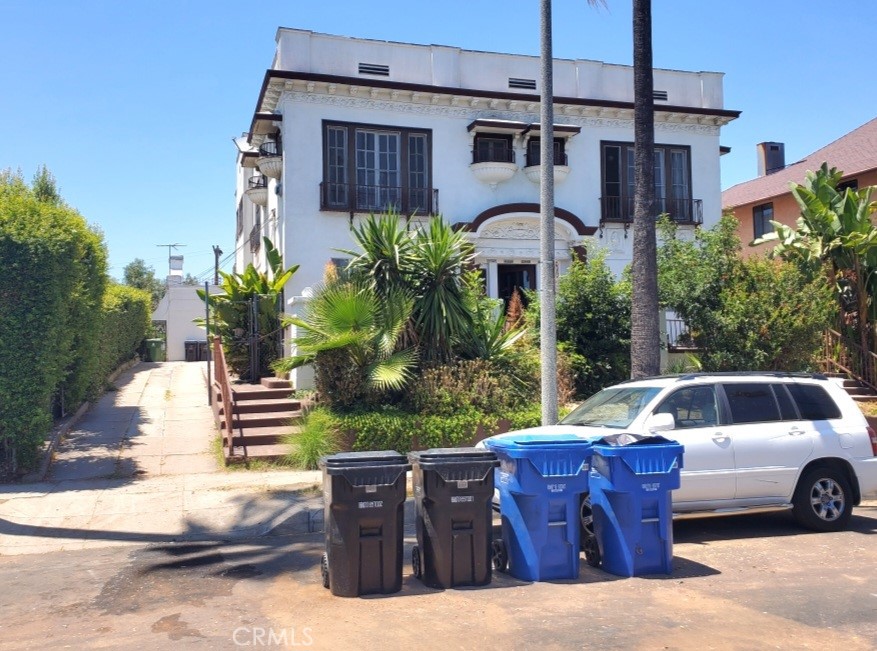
858, 391
264, 413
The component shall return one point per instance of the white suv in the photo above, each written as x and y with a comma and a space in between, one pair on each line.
753, 442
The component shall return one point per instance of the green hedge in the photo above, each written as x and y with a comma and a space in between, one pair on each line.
391, 428
54, 277
125, 322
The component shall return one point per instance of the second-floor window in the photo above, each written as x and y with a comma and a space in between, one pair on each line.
761, 218
375, 168
493, 148
672, 167
534, 152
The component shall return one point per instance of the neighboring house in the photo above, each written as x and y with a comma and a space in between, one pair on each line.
344, 127
178, 308
767, 198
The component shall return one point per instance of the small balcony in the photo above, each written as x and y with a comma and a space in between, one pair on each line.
494, 166
257, 189
533, 168
270, 160
353, 198
682, 211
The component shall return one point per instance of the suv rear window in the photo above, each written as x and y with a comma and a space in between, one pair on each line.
751, 403
814, 403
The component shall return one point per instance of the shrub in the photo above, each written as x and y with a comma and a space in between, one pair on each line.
751, 314
593, 324
318, 438
125, 323
391, 428
54, 270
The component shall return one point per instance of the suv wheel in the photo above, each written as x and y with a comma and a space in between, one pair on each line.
822, 500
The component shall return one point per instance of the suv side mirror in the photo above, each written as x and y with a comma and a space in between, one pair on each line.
661, 422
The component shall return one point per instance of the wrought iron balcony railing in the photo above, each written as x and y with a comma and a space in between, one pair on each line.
351, 197
532, 160
681, 211
493, 156
258, 181
270, 148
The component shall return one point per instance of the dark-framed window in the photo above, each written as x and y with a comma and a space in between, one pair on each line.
761, 218
843, 186
493, 148
376, 168
534, 152
672, 168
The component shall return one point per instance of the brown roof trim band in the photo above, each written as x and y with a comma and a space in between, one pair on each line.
507, 208
426, 88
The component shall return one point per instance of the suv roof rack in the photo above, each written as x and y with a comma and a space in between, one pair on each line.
809, 376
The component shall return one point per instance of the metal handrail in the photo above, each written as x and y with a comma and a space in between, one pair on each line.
495, 156
842, 354
258, 181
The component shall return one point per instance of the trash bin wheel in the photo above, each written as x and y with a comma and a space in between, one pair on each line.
324, 569
592, 551
500, 555
416, 567
586, 518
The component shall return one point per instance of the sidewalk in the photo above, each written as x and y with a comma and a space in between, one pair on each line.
139, 467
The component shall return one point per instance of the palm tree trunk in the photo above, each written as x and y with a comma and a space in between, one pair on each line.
645, 351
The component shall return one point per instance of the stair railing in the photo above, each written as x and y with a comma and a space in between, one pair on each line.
842, 354
229, 399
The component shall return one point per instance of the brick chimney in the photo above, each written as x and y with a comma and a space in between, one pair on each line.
771, 157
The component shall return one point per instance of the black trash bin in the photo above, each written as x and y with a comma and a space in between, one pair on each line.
203, 352
364, 496
191, 351
453, 490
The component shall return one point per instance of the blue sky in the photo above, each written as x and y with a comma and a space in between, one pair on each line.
133, 105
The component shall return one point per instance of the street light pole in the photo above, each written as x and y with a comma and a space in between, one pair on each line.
548, 325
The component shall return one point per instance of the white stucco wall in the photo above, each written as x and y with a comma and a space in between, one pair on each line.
179, 307
310, 237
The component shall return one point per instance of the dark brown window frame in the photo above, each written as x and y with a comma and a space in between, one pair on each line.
479, 156
534, 154
758, 219
425, 200
619, 208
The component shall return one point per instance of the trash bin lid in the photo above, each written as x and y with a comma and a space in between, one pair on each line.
371, 458
452, 455
533, 441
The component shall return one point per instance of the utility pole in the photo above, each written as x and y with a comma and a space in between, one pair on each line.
216, 252
547, 314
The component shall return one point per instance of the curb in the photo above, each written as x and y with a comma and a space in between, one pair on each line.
63, 428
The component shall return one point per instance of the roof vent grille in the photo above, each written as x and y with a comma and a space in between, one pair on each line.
374, 69
524, 84
660, 95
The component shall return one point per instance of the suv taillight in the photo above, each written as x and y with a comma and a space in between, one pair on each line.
873, 436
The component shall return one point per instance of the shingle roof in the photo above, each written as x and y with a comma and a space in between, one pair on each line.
854, 153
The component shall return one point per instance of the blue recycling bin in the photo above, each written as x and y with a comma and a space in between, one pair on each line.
540, 480
632, 505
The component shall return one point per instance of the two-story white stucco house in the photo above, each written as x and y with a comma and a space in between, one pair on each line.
346, 126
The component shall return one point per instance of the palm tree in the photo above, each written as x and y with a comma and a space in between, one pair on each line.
645, 351
352, 337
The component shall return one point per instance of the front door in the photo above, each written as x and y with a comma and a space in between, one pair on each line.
515, 276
